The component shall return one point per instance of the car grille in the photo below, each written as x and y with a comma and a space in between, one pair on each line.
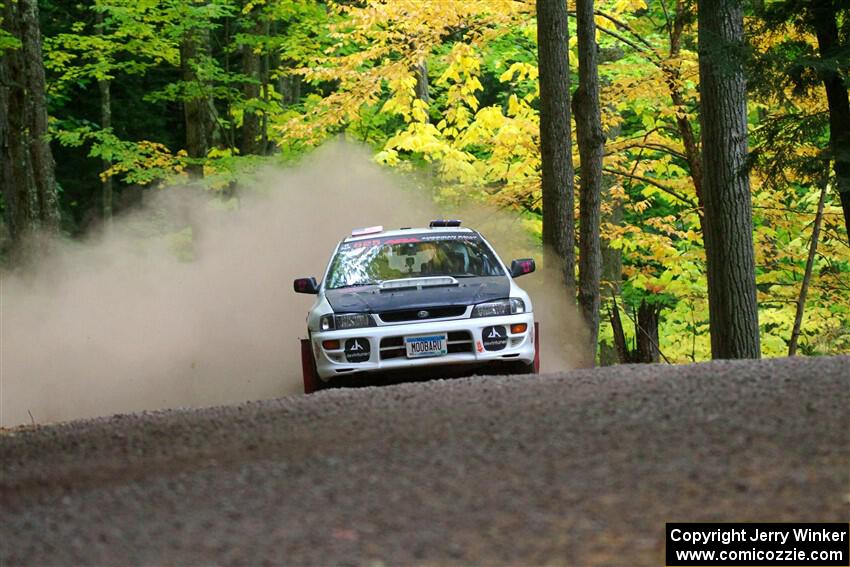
456, 342
413, 314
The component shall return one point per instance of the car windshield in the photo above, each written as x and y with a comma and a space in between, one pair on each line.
371, 261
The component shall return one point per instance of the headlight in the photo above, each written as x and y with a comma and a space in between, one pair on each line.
502, 307
348, 321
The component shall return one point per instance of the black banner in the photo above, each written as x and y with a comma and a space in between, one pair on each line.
760, 545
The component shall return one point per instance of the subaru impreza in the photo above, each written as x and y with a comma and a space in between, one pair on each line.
430, 299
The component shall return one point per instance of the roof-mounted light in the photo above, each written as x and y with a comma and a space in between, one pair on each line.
367, 230
441, 223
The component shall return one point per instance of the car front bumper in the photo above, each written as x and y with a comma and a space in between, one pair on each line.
466, 345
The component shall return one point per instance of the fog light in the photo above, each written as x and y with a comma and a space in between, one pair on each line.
331, 345
518, 328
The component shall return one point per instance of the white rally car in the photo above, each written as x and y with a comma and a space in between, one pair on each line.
400, 300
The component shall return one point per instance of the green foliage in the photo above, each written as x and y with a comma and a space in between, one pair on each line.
7, 40
135, 162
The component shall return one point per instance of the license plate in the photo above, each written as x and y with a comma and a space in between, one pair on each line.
427, 345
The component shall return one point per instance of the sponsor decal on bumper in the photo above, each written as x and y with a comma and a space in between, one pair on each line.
495, 338
357, 350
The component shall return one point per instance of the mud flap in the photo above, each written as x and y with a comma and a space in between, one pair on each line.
536, 347
308, 368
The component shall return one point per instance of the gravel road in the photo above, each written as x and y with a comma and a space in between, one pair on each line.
580, 468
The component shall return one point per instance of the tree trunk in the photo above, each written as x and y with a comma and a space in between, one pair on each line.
230, 133
612, 260
16, 181
624, 355
591, 146
829, 44
288, 83
686, 131
106, 123
420, 70
104, 85
646, 349
251, 93
195, 106
43, 166
421, 90
807, 276
612, 273
27, 178
264, 121
728, 225
647, 333
555, 139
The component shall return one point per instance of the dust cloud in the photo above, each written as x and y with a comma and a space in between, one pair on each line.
188, 302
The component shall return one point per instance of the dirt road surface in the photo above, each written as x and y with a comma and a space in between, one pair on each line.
581, 468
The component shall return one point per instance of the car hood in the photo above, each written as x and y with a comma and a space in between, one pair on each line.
372, 300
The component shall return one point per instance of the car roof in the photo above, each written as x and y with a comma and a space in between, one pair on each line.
410, 232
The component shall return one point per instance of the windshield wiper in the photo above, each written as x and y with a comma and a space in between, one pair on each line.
359, 284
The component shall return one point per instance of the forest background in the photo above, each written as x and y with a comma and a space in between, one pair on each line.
145, 93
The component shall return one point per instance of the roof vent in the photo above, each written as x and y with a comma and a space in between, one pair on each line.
440, 223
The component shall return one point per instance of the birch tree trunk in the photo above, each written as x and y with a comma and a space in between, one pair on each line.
728, 225
555, 139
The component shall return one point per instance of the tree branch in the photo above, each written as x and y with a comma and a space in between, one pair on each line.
796, 211
666, 18
633, 45
651, 146
664, 188
804, 285
624, 26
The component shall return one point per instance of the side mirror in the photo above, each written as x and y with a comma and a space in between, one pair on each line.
522, 266
306, 285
